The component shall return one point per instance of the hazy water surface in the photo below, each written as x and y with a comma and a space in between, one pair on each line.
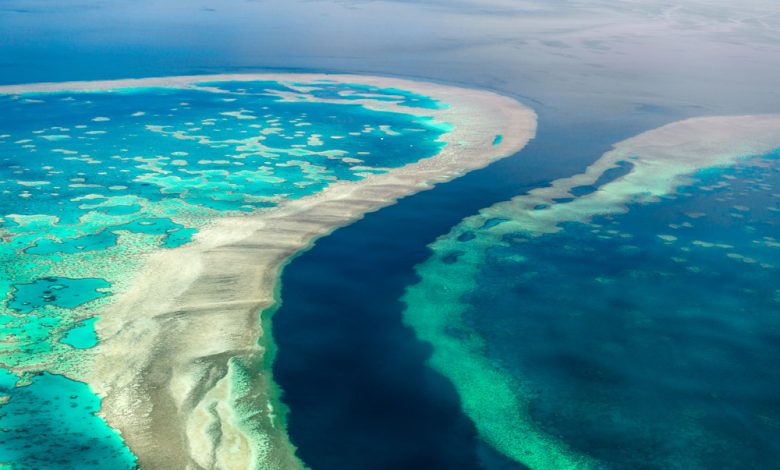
597, 72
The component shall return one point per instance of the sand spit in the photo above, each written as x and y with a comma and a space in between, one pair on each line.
172, 364
498, 402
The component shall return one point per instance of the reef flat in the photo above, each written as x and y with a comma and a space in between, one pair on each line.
185, 197
541, 328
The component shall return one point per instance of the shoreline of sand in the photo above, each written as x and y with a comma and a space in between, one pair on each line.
171, 346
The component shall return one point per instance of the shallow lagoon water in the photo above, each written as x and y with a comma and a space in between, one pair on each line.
55, 291
51, 424
83, 335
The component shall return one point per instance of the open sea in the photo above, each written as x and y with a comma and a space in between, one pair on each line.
646, 339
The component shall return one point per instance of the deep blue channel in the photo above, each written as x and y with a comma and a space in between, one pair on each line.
354, 377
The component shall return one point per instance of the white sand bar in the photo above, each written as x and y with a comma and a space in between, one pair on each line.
173, 347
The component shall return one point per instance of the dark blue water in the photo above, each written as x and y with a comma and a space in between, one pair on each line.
622, 168
351, 373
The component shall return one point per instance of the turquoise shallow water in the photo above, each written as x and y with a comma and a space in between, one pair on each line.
83, 335
51, 424
93, 182
55, 291
637, 340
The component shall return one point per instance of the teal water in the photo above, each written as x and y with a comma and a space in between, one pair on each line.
60, 292
97, 241
645, 339
93, 182
51, 424
82, 336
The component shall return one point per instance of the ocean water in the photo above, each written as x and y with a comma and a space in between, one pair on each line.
54, 291
597, 72
636, 340
93, 182
346, 361
51, 423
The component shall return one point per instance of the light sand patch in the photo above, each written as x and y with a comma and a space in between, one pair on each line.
242, 114
55, 137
